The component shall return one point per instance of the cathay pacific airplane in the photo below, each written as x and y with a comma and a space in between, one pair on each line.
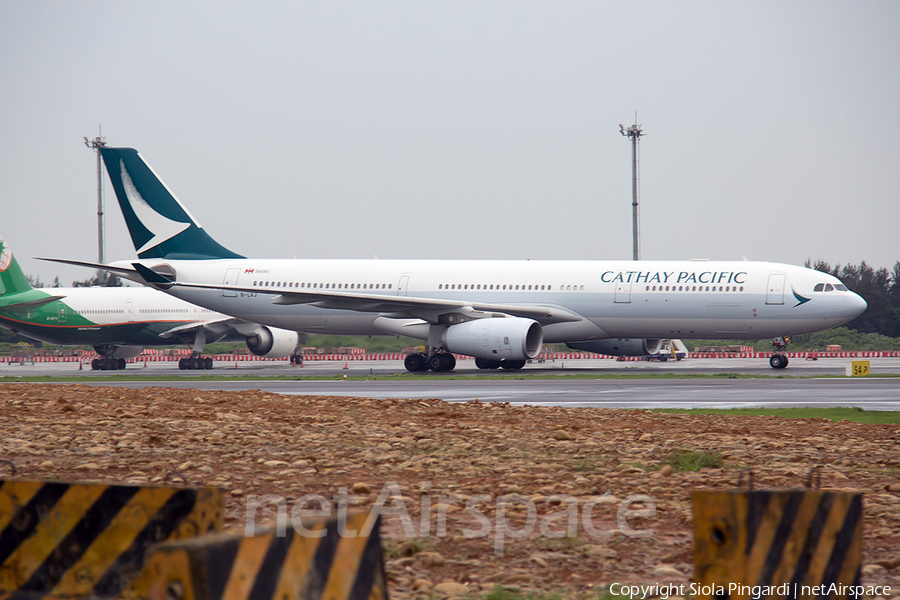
498, 311
118, 321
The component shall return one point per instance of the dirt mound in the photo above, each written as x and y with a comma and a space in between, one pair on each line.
533, 498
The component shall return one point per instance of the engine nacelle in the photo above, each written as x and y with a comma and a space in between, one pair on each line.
111, 351
619, 346
502, 338
270, 342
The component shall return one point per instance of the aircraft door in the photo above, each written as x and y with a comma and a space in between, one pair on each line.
403, 286
623, 292
775, 290
129, 312
231, 277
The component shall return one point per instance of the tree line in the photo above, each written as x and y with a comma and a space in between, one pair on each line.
880, 288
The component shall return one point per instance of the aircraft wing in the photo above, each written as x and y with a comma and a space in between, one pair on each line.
429, 309
226, 329
90, 265
213, 328
412, 306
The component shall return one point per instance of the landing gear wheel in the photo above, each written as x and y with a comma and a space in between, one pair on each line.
121, 364
95, 364
208, 363
449, 361
441, 362
485, 363
778, 361
512, 365
414, 363
182, 364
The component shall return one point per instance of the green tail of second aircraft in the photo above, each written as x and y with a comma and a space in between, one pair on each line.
12, 279
18, 300
159, 225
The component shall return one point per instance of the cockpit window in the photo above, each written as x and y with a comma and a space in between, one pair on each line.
829, 287
841, 287
819, 287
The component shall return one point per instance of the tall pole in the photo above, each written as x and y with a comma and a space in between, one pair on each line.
95, 144
634, 133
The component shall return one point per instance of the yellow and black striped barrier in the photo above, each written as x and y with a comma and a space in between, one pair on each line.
272, 567
66, 540
797, 544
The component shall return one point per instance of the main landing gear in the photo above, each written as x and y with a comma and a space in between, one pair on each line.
439, 362
194, 363
779, 360
108, 364
508, 365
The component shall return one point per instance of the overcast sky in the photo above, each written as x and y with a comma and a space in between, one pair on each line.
461, 129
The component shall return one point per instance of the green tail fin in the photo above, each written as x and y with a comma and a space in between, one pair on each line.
160, 226
12, 279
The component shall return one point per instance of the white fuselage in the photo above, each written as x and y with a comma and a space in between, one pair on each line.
133, 316
613, 299
119, 305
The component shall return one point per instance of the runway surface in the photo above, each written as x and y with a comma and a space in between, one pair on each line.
819, 383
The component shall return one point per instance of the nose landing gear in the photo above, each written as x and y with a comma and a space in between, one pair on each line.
779, 360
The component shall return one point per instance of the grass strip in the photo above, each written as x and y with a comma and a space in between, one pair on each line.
833, 414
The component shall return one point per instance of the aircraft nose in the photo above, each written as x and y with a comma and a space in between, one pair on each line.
856, 305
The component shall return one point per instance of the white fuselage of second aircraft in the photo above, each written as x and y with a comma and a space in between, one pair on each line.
597, 299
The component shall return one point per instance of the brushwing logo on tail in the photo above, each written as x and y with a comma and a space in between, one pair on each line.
5, 255
161, 227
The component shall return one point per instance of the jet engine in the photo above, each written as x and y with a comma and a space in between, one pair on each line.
269, 342
502, 338
112, 351
619, 346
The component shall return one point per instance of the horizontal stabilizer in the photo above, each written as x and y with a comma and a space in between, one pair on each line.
152, 277
90, 265
23, 307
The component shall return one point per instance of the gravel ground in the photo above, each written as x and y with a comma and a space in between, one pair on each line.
527, 474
